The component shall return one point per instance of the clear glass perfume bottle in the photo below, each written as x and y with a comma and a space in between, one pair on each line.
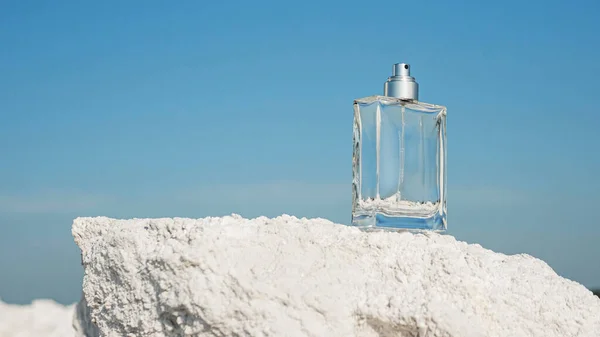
399, 159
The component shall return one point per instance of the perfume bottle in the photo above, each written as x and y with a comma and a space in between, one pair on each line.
399, 159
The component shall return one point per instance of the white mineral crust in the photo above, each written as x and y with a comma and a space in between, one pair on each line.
231, 276
41, 318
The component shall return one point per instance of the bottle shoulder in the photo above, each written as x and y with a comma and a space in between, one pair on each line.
392, 101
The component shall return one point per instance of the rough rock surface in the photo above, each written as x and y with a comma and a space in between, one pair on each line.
41, 318
285, 276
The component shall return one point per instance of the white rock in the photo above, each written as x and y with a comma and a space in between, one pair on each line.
41, 318
231, 276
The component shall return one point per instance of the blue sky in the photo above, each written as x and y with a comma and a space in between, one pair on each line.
197, 108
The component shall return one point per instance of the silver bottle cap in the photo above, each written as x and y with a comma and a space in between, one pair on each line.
401, 84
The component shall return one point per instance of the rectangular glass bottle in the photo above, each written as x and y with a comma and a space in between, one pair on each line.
399, 159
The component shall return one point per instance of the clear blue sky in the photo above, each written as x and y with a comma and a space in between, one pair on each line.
197, 108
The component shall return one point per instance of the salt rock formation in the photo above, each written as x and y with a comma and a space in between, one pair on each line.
41, 318
286, 276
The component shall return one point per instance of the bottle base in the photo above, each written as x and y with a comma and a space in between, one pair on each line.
382, 222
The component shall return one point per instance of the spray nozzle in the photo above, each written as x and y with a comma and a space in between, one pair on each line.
401, 84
